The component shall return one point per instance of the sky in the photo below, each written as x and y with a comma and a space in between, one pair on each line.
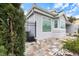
70, 9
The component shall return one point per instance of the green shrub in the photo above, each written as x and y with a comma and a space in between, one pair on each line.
12, 30
3, 51
72, 45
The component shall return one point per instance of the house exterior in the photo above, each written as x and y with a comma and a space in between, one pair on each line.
42, 24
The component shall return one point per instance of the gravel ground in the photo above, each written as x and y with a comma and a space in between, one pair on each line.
46, 47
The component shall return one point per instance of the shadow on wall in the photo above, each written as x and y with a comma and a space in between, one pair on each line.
30, 38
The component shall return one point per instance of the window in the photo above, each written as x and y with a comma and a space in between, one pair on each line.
52, 24
46, 25
62, 24
55, 23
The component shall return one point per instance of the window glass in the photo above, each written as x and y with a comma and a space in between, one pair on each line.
46, 25
62, 24
55, 23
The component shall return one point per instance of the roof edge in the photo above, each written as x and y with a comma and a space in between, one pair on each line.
32, 10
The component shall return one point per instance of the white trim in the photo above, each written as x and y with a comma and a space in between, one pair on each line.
30, 13
34, 9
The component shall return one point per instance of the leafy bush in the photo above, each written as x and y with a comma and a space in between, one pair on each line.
72, 45
3, 51
12, 30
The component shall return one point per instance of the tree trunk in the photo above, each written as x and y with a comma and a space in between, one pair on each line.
11, 34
